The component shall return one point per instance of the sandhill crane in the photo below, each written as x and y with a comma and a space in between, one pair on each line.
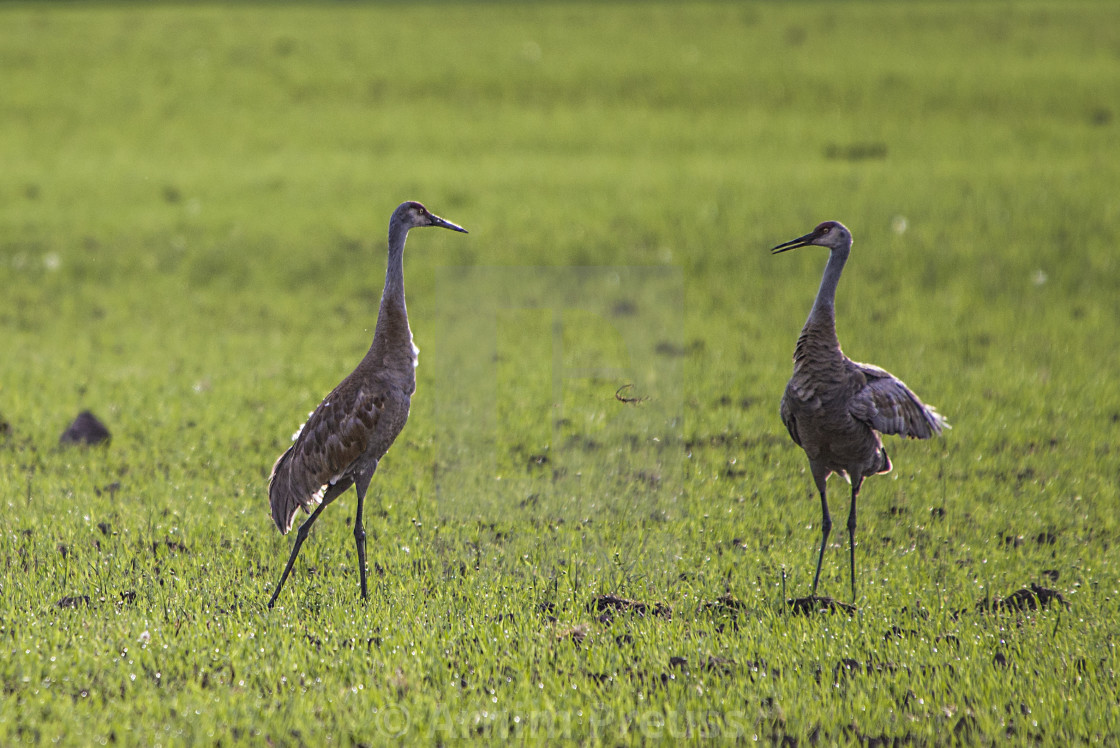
346, 436
835, 408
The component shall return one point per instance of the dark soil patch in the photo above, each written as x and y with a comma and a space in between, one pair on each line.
72, 601
547, 611
727, 610
1027, 598
744, 403
848, 666
869, 151
665, 348
110, 488
609, 604
174, 546
725, 605
86, 429
624, 308
710, 664
895, 632
574, 634
762, 669
675, 350
1011, 539
805, 606
719, 665
1046, 538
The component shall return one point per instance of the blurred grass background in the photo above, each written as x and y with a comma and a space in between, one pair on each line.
193, 202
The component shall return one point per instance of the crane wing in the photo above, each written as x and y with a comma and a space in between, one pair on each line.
890, 407
802, 398
335, 436
790, 420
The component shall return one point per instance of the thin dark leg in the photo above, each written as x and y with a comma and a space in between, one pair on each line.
361, 484
856, 482
826, 528
301, 535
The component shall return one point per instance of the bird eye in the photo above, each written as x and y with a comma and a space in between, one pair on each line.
826, 229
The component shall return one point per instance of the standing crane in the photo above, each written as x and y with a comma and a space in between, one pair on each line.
347, 435
835, 408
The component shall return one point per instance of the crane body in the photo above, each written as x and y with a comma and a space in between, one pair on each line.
346, 436
835, 408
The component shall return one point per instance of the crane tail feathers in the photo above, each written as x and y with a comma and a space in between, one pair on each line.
937, 422
286, 497
885, 465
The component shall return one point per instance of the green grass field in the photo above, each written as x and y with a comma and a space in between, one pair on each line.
193, 205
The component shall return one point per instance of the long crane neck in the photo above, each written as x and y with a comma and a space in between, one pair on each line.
392, 297
819, 332
392, 339
825, 305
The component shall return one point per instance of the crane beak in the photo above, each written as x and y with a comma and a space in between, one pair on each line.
801, 241
443, 224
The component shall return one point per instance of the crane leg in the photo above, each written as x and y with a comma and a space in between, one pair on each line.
361, 484
856, 483
301, 535
826, 524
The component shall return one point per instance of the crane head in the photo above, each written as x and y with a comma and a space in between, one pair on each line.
830, 234
412, 215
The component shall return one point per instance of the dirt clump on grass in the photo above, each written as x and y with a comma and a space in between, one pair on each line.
608, 605
87, 430
575, 634
848, 667
725, 609
805, 606
1033, 597
726, 603
72, 601
897, 632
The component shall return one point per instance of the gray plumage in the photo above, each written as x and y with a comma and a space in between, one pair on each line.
835, 408
347, 435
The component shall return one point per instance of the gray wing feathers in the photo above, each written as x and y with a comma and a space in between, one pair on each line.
335, 438
889, 406
789, 420
803, 397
